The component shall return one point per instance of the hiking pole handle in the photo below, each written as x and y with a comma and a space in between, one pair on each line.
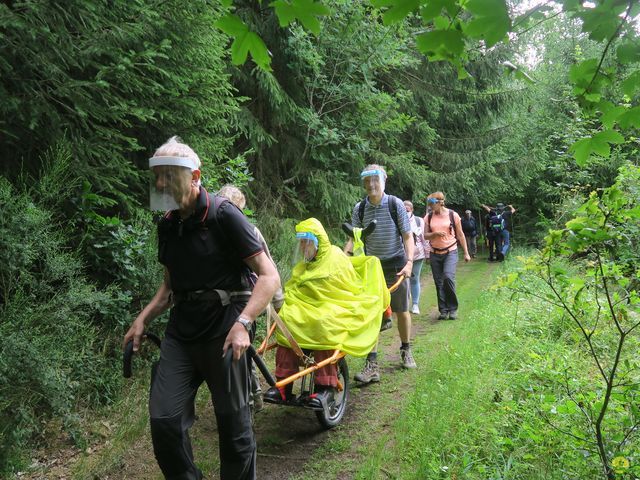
127, 355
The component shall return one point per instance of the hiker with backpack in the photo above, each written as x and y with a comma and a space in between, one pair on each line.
235, 196
443, 229
392, 242
208, 249
499, 224
421, 252
470, 232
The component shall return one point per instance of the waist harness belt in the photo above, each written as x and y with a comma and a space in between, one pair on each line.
225, 297
445, 249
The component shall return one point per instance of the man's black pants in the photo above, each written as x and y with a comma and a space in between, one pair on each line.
181, 370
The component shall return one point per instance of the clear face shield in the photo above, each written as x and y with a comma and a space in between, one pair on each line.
306, 247
373, 181
170, 182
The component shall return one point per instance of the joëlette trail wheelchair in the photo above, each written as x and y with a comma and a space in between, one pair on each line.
329, 412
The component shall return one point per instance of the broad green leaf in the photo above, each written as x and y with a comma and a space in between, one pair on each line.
581, 151
226, 3
433, 8
244, 42
610, 114
399, 9
602, 22
441, 43
593, 97
232, 25
609, 136
490, 20
582, 73
628, 52
305, 11
630, 118
631, 83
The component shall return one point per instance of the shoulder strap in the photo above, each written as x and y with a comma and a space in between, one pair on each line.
429, 215
393, 210
452, 226
418, 221
361, 206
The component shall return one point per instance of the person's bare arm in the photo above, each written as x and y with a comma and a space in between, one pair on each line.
462, 239
160, 302
409, 249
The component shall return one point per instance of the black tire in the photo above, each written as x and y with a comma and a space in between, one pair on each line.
338, 406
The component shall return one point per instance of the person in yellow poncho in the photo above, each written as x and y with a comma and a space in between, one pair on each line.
331, 302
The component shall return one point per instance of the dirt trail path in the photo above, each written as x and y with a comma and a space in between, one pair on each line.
291, 442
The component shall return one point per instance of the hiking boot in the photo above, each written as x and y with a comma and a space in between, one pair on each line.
369, 373
443, 316
407, 358
491, 259
453, 315
415, 309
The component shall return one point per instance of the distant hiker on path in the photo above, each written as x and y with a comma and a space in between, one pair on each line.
470, 230
421, 252
392, 242
208, 249
444, 231
499, 221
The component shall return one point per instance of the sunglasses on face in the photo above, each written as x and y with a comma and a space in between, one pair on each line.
433, 201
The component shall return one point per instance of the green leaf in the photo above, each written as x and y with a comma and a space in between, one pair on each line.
609, 136
628, 52
226, 3
582, 73
630, 118
581, 151
610, 114
305, 11
439, 44
490, 20
232, 25
399, 9
433, 8
631, 83
244, 42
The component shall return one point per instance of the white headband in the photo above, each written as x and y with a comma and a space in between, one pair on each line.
173, 161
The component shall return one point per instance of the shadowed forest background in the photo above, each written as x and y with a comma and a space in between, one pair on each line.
89, 89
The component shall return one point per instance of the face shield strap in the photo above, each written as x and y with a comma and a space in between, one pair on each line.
173, 162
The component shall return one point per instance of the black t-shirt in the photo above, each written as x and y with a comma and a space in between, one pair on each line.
205, 255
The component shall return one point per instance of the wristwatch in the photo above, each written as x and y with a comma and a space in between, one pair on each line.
246, 323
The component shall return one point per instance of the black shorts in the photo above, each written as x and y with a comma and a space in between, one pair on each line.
399, 298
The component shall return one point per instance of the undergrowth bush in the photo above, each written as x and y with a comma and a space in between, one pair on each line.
61, 332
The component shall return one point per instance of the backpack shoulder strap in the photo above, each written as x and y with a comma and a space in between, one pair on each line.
429, 215
393, 210
451, 223
361, 206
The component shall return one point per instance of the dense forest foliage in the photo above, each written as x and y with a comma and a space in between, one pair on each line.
88, 90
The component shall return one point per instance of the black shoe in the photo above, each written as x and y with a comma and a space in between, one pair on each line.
279, 395
500, 257
453, 315
443, 316
491, 259
321, 398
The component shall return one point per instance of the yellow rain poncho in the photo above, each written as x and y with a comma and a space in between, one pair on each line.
334, 301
